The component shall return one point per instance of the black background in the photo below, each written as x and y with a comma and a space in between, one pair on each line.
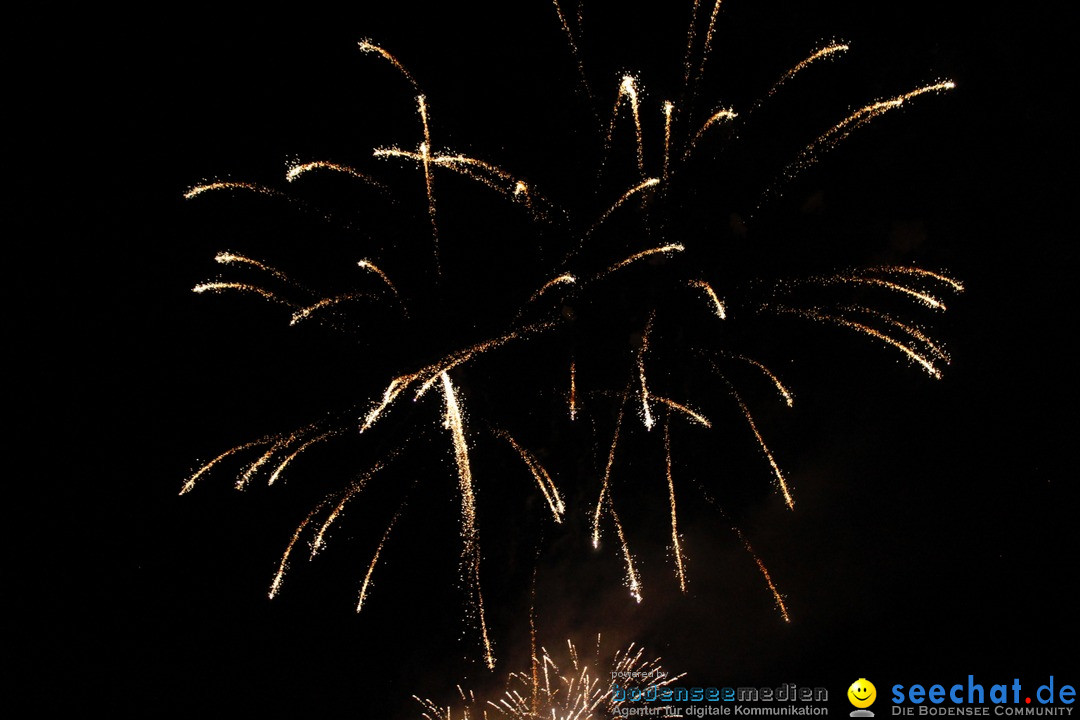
934, 535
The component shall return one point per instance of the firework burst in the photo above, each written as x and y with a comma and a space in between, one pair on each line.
566, 686
640, 323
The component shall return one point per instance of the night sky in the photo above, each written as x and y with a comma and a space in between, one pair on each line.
934, 534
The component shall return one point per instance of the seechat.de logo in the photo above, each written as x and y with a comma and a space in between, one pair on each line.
862, 694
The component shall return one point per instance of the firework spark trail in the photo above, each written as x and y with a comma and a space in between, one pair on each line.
425, 154
504, 182
190, 483
298, 169
374, 561
679, 407
817, 315
765, 448
628, 89
455, 424
540, 474
691, 34
574, 50
718, 306
470, 552
669, 109
283, 566
217, 287
646, 413
483, 165
764, 573
573, 390
578, 692
648, 183
604, 489
663, 249
925, 298
228, 258
276, 475
318, 543
676, 545
789, 398
280, 444
831, 49
707, 49
724, 114
914, 332
564, 279
395, 152
305, 312
777, 473
396, 386
462, 356
431, 374
777, 596
839, 132
366, 46
372, 267
918, 272
521, 190
225, 185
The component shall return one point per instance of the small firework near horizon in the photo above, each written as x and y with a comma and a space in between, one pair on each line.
610, 303
573, 686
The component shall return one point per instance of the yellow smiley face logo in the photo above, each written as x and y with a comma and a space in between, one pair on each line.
862, 693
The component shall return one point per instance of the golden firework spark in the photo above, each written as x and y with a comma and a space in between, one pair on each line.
925, 298
832, 48
573, 390
543, 480
283, 566
707, 50
646, 413
917, 272
693, 415
914, 332
777, 473
662, 250
648, 183
298, 169
226, 185
718, 305
305, 312
228, 258
564, 279
276, 475
819, 316
691, 33
573, 689
574, 46
789, 398
607, 471
374, 561
669, 109
354, 489
723, 114
217, 287
367, 46
676, 544
765, 574
841, 130
628, 90
372, 267
189, 484
470, 551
